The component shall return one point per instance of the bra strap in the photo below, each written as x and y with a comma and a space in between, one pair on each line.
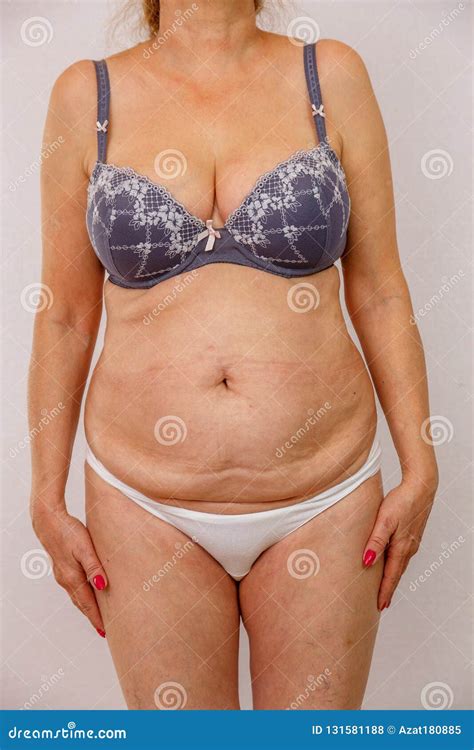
314, 89
103, 106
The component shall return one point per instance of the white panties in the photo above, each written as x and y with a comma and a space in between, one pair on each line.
236, 541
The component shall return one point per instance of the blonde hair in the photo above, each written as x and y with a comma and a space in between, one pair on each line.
151, 13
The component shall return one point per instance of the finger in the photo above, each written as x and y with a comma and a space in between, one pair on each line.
395, 564
91, 564
83, 597
384, 528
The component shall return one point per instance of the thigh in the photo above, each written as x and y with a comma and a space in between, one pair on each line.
170, 610
310, 609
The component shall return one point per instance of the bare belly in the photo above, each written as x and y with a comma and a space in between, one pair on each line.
219, 392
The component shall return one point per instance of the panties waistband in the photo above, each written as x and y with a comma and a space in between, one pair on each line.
369, 468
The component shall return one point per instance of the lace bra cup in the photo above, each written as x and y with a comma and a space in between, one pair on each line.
292, 223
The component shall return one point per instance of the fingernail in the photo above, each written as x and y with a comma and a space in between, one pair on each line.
101, 632
99, 582
383, 606
369, 557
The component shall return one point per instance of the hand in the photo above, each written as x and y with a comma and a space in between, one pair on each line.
398, 530
76, 566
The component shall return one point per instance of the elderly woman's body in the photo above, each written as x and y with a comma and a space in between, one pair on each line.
241, 369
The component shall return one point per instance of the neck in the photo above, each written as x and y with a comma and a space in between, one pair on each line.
214, 27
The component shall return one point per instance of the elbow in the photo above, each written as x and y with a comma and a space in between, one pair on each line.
376, 294
82, 323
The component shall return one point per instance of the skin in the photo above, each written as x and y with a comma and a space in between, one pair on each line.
239, 367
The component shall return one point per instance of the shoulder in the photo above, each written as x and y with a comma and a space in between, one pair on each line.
342, 66
352, 104
71, 117
74, 91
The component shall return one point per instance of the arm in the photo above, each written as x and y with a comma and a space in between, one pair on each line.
65, 332
378, 302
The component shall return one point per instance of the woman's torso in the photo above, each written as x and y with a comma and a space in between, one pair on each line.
225, 388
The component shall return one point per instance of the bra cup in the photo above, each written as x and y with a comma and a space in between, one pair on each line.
300, 220
99, 237
143, 231
293, 222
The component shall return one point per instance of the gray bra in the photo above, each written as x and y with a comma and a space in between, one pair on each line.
292, 223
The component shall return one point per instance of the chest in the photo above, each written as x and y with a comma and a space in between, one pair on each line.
208, 145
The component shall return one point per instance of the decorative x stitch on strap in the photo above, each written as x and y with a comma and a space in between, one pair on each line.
318, 110
102, 127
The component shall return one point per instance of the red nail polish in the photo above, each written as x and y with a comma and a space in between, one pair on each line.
369, 557
383, 607
99, 582
101, 632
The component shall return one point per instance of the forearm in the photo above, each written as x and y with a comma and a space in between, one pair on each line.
395, 357
58, 373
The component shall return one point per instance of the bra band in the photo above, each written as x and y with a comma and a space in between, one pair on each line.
103, 104
314, 89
